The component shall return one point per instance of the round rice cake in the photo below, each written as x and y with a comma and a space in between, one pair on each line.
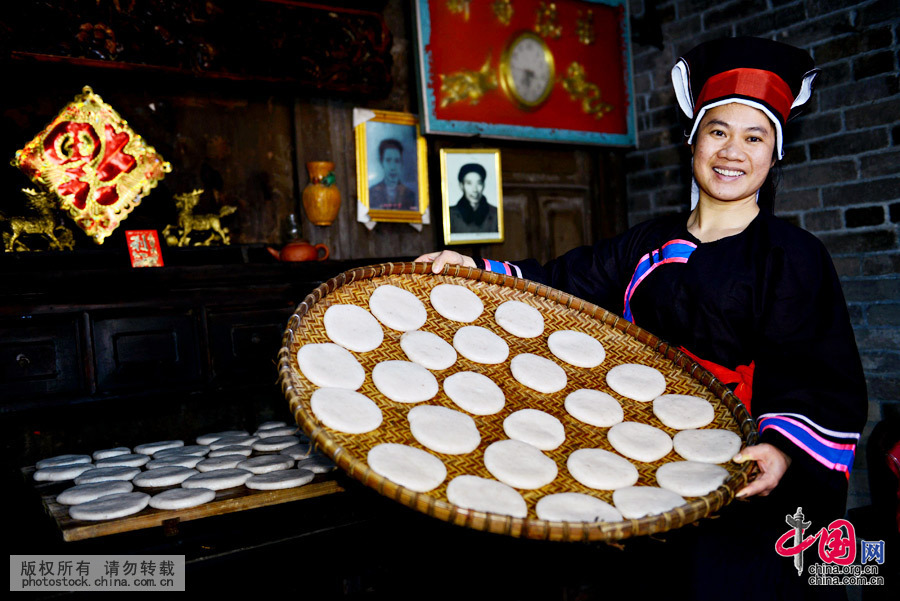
198, 450
480, 345
317, 464
601, 470
103, 474
428, 350
691, 478
164, 476
397, 308
82, 493
206, 439
353, 328
682, 411
181, 498
404, 381
279, 480
229, 441
475, 393
266, 463
707, 446
130, 460
232, 449
114, 452
221, 462
279, 431
637, 382
519, 464
635, 502
329, 365
576, 348
594, 407
68, 459
519, 319
537, 428
272, 424
489, 496
344, 410
217, 479
152, 447
538, 373
275, 443
639, 441
443, 430
575, 507
297, 451
408, 466
110, 507
60, 473
456, 303
188, 461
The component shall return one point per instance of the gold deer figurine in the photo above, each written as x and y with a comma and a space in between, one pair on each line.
43, 225
180, 234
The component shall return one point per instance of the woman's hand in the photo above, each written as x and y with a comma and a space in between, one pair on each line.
446, 257
772, 464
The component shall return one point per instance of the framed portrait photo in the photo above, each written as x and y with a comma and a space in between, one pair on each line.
391, 166
471, 196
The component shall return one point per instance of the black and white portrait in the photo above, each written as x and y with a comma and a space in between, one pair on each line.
471, 196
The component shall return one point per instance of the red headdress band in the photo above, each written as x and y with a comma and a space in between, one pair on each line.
753, 83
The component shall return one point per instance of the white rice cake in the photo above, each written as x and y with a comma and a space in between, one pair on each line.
638, 382
275, 443
83, 493
344, 410
60, 473
538, 373
636, 502
182, 498
404, 381
68, 459
537, 428
443, 430
489, 496
519, 464
480, 345
397, 308
272, 424
456, 303
130, 460
192, 449
682, 411
639, 441
475, 393
317, 464
206, 439
428, 350
280, 431
353, 328
105, 453
228, 441
221, 462
217, 479
232, 449
594, 407
408, 466
707, 446
152, 447
189, 461
601, 469
329, 365
279, 480
164, 476
297, 451
575, 507
266, 463
691, 478
103, 474
520, 319
576, 348
110, 507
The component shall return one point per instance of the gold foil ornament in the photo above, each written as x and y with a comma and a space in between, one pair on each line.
41, 226
96, 165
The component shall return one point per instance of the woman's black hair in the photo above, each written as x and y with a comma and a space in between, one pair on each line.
766, 198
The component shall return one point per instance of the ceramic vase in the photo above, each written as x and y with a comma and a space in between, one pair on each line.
321, 197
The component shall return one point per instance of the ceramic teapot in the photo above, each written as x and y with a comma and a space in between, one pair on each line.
299, 250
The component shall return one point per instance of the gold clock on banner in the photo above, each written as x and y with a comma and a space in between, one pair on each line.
527, 71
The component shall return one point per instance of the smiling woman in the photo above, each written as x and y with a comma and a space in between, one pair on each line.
751, 298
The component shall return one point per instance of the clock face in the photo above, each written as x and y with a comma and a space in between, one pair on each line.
527, 70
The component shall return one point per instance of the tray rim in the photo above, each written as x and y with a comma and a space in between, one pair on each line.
533, 528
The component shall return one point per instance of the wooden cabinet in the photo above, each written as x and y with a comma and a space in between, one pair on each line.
40, 355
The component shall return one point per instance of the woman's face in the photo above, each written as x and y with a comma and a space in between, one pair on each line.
733, 153
472, 186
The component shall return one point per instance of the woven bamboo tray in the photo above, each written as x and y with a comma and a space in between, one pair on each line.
624, 343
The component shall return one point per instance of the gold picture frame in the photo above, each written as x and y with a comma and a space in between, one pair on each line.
467, 221
391, 181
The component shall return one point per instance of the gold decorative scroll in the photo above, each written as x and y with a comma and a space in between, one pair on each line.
546, 22
581, 90
503, 10
95, 164
584, 28
468, 85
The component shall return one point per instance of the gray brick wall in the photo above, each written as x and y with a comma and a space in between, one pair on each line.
841, 173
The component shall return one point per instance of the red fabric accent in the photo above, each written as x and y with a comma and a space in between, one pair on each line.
755, 83
115, 162
742, 375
